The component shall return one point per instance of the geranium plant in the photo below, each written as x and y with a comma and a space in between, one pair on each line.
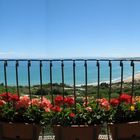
66, 111
23, 109
124, 109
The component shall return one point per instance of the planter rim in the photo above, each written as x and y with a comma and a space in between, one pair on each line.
77, 125
21, 123
124, 123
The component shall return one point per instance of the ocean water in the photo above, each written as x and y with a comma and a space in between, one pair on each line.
68, 72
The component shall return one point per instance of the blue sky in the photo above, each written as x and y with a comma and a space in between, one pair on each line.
69, 28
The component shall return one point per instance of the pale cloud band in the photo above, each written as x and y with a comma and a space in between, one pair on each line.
8, 54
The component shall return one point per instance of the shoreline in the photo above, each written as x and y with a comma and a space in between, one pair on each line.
127, 79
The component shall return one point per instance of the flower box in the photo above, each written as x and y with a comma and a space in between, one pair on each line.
76, 132
80, 123
22, 117
21, 131
130, 130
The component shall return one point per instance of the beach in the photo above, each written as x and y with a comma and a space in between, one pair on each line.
129, 79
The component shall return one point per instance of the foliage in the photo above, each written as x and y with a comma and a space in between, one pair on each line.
125, 109
24, 109
91, 112
42, 91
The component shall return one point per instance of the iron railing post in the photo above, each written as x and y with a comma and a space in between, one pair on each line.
29, 80
98, 85
17, 82
110, 79
41, 79
51, 81
62, 74
85, 81
133, 77
121, 65
74, 84
5, 76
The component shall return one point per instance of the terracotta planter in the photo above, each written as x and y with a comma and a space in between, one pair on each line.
15, 131
125, 131
75, 132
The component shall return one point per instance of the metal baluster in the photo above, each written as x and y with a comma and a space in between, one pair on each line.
29, 81
51, 81
98, 86
41, 92
133, 76
62, 70
5, 76
41, 79
85, 81
121, 65
17, 83
110, 79
74, 82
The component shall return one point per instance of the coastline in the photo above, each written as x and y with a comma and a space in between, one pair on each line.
79, 89
129, 79
125, 80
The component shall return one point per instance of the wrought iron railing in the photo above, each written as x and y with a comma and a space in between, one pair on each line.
16, 65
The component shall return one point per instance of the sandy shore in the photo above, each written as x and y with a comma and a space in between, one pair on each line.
126, 80
129, 79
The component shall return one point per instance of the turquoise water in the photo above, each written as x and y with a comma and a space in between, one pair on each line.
68, 72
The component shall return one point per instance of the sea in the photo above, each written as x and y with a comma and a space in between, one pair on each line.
92, 72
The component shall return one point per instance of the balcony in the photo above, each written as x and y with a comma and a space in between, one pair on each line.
77, 78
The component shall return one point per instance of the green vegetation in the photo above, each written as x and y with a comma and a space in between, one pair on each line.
92, 90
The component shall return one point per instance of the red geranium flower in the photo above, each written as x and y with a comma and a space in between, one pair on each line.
58, 100
24, 102
104, 103
72, 115
14, 97
69, 101
56, 109
125, 98
114, 102
46, 104
8, 97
